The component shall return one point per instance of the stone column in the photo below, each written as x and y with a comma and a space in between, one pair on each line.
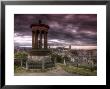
40, 39
43, 64
45, 39
32, 39
36, 39
26, 64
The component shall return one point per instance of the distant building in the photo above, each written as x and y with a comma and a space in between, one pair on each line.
69, 46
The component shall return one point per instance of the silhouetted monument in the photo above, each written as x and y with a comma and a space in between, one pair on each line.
39, 54
38, 32
39, 39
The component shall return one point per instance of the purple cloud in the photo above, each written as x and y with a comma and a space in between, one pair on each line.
75, 29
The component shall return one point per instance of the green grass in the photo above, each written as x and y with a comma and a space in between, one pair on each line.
88, 67
70, 69
80, 71
19, 69
23, 70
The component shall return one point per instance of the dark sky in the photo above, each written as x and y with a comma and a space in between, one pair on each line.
65, 29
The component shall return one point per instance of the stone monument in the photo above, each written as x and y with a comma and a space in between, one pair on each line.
39, 55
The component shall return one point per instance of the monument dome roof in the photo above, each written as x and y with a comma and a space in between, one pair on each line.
39, 24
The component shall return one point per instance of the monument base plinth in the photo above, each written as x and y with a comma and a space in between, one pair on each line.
39, 59
39, 52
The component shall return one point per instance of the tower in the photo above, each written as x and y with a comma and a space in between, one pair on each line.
39, 55
39, 39
39, 31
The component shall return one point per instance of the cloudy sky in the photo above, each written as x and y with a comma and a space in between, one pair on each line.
65, 29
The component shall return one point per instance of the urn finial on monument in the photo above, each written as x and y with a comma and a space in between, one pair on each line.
39, 21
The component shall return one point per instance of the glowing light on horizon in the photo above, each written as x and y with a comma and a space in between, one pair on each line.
26, 41
23, 39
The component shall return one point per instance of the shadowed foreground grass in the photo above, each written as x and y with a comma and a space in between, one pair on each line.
78, 70
19, 69
70, 69
23, 70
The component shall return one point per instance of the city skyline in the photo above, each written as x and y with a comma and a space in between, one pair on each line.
65, 29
